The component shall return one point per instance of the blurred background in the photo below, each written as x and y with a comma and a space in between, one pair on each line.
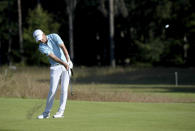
101, 32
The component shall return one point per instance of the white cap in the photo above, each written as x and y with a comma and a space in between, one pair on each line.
38, 35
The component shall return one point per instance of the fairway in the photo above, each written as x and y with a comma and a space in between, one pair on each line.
20, 115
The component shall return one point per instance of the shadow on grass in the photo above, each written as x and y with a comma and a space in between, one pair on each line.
150, 76
180, 89
163, 89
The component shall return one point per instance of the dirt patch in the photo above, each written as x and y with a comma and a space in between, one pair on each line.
94, 95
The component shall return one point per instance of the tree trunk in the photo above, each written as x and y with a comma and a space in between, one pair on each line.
71, 5
71, 36
0, 51
9, 49
111, 23
20, 30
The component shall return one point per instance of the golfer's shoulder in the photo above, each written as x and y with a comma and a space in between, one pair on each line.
53, 35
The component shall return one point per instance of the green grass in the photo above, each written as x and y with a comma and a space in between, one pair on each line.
20, 115
130, 99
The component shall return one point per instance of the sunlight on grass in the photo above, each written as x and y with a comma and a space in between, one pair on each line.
20, 115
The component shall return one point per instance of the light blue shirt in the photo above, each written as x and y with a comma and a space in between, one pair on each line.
52, 46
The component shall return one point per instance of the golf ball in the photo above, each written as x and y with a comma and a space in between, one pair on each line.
167, 26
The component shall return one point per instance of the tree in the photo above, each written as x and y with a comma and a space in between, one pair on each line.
111, 20
8, 31
139, 31
71, 5
115, 7
20, 30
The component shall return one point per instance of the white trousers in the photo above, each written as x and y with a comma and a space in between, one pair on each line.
56, 73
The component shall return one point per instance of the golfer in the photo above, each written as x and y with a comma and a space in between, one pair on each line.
53, 46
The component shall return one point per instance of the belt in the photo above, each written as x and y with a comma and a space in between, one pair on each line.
56, 64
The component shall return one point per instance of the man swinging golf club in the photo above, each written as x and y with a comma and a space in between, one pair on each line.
53, 46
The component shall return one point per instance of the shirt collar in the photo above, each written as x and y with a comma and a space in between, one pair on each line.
48, 38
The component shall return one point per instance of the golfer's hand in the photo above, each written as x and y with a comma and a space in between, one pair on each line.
66, 66
70, 64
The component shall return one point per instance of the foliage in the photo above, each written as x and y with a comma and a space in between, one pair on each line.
140, 33
8, 31
150, 52
37, 19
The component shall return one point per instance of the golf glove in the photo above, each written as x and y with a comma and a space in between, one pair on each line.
70, 64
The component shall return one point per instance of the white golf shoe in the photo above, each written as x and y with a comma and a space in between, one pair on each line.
59, 114
44, 115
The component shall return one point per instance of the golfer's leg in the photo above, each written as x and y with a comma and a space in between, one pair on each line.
64, 90
54, 80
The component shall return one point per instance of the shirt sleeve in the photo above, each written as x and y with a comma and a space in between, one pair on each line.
57, 39
45, 50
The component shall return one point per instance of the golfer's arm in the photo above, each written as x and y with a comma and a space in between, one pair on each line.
55, 58
62, 46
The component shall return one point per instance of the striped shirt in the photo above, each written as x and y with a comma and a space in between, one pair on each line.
52, 46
